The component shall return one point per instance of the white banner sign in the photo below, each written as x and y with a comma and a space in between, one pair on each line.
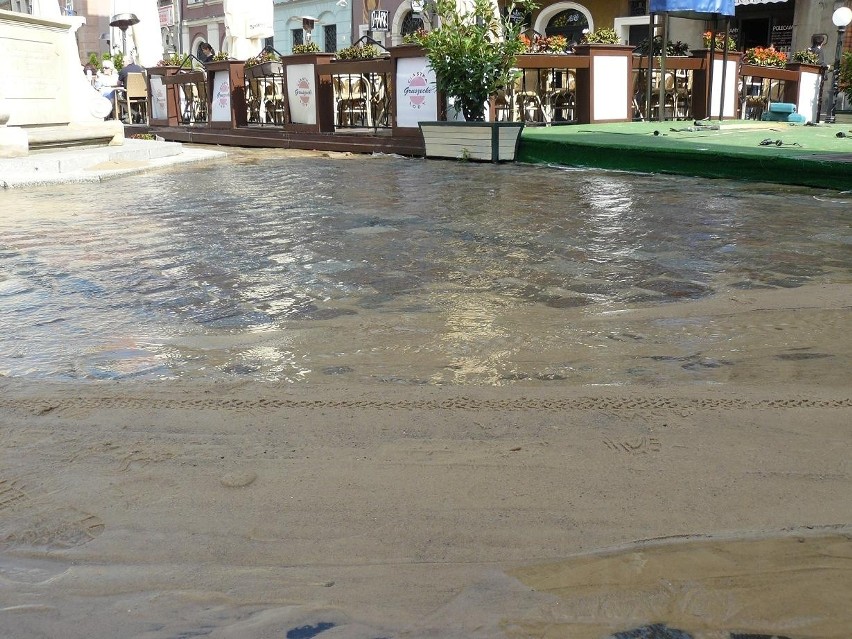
221, 107
158, 98
417, 97
301, 86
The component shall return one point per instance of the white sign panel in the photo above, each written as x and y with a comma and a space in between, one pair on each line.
417, 97
301, 86
158, 98
221, 107
610, 97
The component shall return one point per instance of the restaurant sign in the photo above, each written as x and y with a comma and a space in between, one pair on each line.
220, 110
418, 99
300, 83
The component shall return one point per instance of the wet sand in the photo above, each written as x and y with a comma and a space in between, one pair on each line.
250, 510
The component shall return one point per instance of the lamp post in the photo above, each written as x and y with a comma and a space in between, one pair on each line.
841, 18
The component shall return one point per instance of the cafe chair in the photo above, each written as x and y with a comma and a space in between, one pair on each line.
131, 103
351, 106
562, 101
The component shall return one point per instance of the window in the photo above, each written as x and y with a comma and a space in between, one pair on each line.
410, 23
330, 34
638, 7
570, 24
298, 37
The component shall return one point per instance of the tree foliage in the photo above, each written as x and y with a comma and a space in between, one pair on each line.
474, 51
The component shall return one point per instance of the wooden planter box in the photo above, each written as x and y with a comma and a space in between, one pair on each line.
310, 95
479, 141
226, 108
163, 100
264, 69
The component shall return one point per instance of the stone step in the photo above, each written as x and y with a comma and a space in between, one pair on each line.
69, 160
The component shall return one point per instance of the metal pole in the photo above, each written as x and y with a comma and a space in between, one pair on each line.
724, 68
709, 98
661, 115
649, 72
835, 76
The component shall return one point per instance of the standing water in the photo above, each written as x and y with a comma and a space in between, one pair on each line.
286, 268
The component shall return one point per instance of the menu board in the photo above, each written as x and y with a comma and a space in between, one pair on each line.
781, 36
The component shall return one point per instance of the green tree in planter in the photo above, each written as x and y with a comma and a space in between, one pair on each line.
474, 51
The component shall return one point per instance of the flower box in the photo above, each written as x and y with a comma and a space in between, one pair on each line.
264, 69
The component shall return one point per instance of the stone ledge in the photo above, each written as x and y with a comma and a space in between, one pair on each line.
108, 132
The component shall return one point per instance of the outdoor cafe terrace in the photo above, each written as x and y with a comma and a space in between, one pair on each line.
315, 101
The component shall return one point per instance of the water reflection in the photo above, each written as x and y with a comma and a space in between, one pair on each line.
282, 268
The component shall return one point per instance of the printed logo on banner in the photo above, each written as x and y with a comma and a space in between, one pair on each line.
417, 89
303, 91
223, 95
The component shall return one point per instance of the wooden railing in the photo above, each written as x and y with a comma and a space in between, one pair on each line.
673, 88
393, 93
544, 91
363, 92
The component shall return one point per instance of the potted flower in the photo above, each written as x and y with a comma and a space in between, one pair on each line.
672, 48
765, 57
601, 36
555, 44
473, 54
806, 56
720, 42
362, 51
306, 47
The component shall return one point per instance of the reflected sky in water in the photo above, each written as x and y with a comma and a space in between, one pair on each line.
284, 268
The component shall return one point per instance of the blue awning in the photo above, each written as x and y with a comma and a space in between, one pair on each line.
693, 8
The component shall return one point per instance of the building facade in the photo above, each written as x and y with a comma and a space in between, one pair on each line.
788, 25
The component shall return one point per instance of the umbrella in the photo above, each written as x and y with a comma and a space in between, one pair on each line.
147, 37
46, 8
247, 24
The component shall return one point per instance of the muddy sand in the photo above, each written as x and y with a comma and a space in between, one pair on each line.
182, 510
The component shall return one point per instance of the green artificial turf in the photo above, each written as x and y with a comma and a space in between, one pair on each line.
808, 155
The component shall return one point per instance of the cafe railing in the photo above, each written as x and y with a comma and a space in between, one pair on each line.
266, 103
363, 92
672, 88
543, 92
761, 85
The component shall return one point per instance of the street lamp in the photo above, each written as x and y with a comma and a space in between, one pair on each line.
841, 18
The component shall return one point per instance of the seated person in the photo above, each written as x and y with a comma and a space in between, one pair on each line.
107, 79
130, 67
